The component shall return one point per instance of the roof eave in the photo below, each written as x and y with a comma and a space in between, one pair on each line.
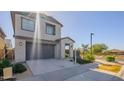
68, 38
12, 13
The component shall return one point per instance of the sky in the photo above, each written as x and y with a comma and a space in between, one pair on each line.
108, 27
6, 25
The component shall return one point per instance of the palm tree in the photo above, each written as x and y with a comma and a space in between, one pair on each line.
85, 48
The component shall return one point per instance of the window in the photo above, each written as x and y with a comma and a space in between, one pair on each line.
67, 46
27, 24
50, 29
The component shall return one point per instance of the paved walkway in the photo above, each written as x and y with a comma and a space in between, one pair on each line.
73, 73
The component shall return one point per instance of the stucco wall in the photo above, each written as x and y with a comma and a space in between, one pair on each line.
20, 32
20, 50
63, 42
58, 50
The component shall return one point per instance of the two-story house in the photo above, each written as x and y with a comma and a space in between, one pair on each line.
51, 45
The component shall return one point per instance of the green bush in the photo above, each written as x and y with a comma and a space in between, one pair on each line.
66, 55
110, 58
19, 68
89, 57
1, 65
1, 71
82, 61
5, 63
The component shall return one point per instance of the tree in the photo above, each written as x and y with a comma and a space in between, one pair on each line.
86, 53
99, 48
85, 48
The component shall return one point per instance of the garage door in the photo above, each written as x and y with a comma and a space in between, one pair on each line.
42, 51
48, 51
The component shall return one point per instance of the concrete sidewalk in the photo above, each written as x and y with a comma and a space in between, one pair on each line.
94, 76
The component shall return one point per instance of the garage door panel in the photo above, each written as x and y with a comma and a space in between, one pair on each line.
41, 51
48, 51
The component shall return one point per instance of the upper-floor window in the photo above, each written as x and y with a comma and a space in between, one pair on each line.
50, 29
27, 24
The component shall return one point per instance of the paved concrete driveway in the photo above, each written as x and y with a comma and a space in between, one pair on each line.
48, 65
59, 70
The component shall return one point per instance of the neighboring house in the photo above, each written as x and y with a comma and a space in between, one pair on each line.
51, 43
2, 43
116, 51
10, 50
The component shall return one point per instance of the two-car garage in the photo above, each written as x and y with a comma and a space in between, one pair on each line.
39, 51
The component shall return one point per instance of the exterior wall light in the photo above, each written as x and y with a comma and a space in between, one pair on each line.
20, 43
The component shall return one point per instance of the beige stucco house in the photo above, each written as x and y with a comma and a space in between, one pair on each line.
48, 43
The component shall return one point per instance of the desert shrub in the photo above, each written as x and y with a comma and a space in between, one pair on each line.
110, 58
19, 68
86, 61
82, 61
89, 57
